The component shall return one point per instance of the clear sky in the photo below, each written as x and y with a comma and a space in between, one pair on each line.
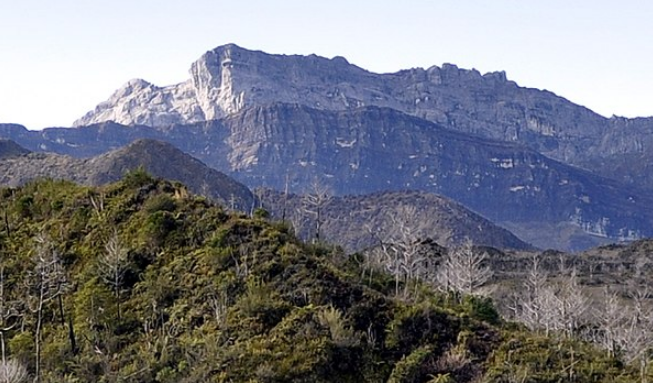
59, 58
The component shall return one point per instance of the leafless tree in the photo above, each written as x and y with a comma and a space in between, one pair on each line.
559, 307
314, 199
399, 249
46, 282
464, 270
10, 370
112, 266
285, 198
573, 305
637, 332
532, 305
257, 202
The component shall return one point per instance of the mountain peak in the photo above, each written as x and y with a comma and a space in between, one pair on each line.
229, 78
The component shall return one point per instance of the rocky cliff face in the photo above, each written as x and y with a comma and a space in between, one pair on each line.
544, 202
228, 79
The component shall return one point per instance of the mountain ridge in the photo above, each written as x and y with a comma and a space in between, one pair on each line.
371, 149
153, 156
229, 78
356, 222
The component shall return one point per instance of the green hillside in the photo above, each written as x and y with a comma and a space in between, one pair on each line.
139, 281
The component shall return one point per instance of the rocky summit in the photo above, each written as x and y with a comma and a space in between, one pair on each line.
228, 79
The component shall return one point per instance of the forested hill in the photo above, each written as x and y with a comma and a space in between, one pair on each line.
139, 281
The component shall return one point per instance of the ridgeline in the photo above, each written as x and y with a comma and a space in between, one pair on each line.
141, 281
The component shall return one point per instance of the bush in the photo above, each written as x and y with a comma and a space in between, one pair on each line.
481, 308
137, 178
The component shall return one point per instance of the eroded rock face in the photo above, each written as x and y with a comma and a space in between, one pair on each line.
140, 103
229, 78
365, 150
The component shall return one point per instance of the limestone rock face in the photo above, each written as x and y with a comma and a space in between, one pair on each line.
229, 78
140, 103
371, 149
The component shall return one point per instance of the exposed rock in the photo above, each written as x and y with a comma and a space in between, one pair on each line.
366, 150
139, 102
229, 78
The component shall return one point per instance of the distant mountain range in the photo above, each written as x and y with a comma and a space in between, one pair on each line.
554, 173
229, 79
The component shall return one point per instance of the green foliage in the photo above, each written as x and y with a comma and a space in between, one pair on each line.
341, 334
211, 296
261, 213
159, 202
529, 358
410, 369
481, 308
137, 178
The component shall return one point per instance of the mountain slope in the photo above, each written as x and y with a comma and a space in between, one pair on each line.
209, 296
366, 150
357, 222
9, 148
158, 158
373, 149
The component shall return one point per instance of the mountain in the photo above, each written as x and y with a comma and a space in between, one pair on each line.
9, 148
448, 222
357, 222
205, 295
158, 158
229, 79
370, 149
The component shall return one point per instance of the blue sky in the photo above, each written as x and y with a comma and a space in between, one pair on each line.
58, 59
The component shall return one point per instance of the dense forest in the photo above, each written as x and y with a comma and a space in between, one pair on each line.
141, 281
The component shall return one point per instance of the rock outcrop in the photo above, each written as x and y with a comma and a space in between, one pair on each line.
229, 79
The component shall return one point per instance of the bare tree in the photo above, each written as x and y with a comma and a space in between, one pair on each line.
533, 306
285, 199
313, 203
9, 370
637, 333
45, 283
573, 305
399, 249
12, 371
464, 270
560, 307
112, 266
259, 194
